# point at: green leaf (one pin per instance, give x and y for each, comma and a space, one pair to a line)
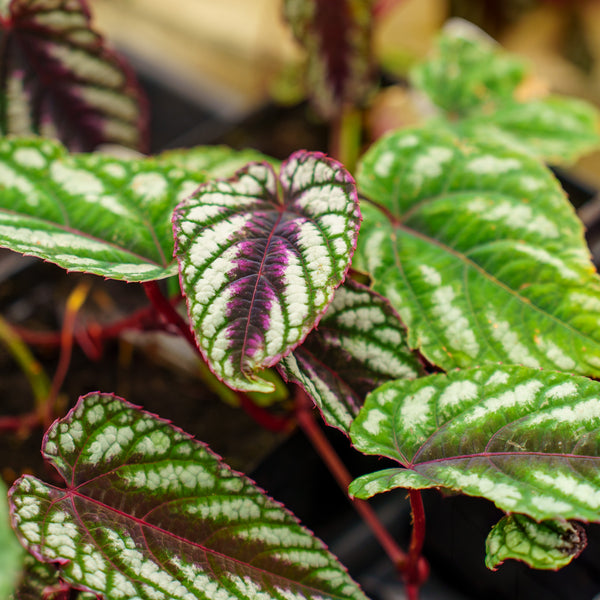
215, 161
260, 259
11, 553
479, 251
90, 212
554, 129
358, 345
37, 581
468, 71
547, 545
523, 438
149, 512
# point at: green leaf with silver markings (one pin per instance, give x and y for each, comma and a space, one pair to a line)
482, 90
478, 249
468, 71
100, 214
148, 512
358, 345
550, 544
526, 439
555, 129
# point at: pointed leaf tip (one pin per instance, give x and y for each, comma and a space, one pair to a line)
260, 257
148, 512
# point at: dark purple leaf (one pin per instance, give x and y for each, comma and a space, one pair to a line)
337, 37
59, 79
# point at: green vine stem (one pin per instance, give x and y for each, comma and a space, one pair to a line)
33, 370
306, 421
345, 137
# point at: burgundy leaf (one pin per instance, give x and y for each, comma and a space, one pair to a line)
337, 37
59, 79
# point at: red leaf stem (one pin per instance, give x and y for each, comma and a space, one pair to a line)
306, 420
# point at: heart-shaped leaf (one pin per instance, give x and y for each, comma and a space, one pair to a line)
523, 438
90, 212
259, 260
481, 254
337, 37
58, 78
148, 512
358, 345
546, 545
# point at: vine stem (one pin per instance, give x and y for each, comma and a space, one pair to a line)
263, 417
308, 424
345, 136
416, 569
167, 310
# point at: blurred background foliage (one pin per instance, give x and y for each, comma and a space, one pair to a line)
235, 56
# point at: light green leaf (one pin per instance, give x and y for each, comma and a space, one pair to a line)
468, 71
526, 439
554, 129
478, 249
11, 553
215, 161
90, 212
547, 545
475, 83
149, 512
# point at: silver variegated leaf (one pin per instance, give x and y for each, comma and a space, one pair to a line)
90, 212
550, 544
358, 345
149, 513
337, 37
478, 249
58, 78
526, 439
260, 258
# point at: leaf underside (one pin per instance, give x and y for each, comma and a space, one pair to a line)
523, 438
546, 545
337, 36
90, 212
59, 79
259, 270
481, 254
358, 345
150, 513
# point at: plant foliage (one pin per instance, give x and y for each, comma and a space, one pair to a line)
477, 248
58, 78
259, 266
149, 512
